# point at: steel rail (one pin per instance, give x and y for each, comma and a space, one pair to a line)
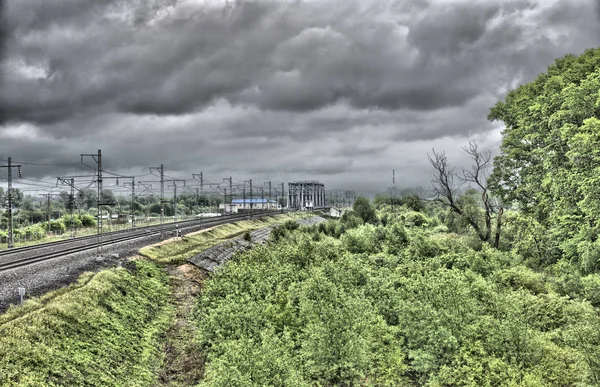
184, 223
43, 257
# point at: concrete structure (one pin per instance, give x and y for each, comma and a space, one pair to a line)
230, 208
335, 212
306, 195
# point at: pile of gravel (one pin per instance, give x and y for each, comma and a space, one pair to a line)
311, 221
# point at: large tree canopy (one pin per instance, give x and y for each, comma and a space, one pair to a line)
549, 163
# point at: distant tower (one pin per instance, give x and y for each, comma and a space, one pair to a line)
393, 177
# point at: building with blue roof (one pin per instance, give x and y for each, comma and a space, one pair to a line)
254, 203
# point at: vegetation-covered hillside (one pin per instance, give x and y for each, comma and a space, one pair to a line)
423, 295
106, 330
403, 302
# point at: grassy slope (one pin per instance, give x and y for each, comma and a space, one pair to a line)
108, 328
103, 331
191, 245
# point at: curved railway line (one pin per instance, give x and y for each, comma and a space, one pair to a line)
111, 238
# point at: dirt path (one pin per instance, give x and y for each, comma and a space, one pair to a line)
184, 361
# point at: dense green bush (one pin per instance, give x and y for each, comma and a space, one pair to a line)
395, 305
350, 220
364, 210
56, 226
75, 222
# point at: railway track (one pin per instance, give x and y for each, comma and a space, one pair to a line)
118, 237
166, 226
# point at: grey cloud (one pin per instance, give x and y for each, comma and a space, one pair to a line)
3, 36
290, 57
271, 89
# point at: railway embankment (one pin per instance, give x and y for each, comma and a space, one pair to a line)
68, 263
126, 325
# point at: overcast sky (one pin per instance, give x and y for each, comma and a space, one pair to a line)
339, 91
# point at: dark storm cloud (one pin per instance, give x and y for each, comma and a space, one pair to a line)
271, 87
4, 31
278, 56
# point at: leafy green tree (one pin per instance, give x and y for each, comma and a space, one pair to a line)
363, 209
549, 157
87, 198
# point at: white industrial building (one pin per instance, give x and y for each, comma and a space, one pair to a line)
247, 204
306, 195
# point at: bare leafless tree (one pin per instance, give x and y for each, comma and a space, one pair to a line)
446, 191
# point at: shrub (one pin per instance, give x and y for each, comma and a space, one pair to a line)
591, 289
66, 219
364, 210
55, 226
277, 233
88, 220
291, 225
350, 220
416, 219
361, 240
413, 202
521, 277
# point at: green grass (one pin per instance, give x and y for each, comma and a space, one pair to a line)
105, 330
181, 250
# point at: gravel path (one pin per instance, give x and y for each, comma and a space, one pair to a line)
219, 254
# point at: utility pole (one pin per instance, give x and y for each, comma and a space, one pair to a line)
263, 195
48, 196
282, 195
10, 166
244, 196
175, 201
251, 204
269, 206
147, 188
161, 170
132, 200
262, 198
71, 183
277, 192
175, 196
72, 206
230, 181
199, 177
98, 159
